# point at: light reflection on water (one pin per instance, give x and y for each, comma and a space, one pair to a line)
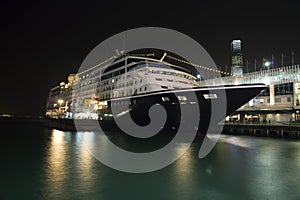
237, 141
238, 166
68, 160
57, 168
85, 165
52, 164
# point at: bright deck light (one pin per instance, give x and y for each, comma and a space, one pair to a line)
60, 101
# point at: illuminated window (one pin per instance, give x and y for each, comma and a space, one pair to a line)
182, 98
165, 98
210, 96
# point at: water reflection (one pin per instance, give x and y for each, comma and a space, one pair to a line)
237, 141
57, 168
84, 162
257, 168
39, 163
183, 165
271, 168
68, 164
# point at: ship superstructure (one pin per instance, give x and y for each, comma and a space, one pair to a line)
89, 91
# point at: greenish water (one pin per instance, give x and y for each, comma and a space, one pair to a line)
40, 163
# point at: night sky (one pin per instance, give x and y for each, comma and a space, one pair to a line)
42, 42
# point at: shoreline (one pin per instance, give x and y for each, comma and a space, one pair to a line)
255, 130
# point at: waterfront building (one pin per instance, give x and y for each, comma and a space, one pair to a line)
237, 58
277, 104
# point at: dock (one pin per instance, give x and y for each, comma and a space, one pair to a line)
277, 130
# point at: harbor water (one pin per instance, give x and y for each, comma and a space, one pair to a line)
43, 163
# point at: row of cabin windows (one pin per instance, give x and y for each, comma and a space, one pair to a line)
160, 79
108, 88
91, 75
122, 71
123, 93
114, 80
116, 74
171, 73
95, 80
121, 85
113, 74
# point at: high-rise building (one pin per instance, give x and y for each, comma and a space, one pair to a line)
237, 58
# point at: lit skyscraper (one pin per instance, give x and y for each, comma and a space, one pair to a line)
237, 58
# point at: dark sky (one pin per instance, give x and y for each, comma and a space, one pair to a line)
42, 42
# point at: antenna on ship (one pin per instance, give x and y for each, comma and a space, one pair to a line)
124, 38
162, 58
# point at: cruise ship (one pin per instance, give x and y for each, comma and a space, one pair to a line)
130, 85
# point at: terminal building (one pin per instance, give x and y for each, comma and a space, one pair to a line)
278, 104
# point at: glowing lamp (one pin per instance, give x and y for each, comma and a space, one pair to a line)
267, 64
60, 101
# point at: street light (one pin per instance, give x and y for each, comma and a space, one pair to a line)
267, 64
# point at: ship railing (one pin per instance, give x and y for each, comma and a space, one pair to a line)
280, 75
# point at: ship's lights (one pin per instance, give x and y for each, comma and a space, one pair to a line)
60, 101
